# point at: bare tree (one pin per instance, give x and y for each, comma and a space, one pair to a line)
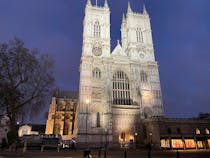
26, 78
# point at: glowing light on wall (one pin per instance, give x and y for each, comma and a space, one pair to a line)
127, 137
87, 101
209, 142
190, 143
165, 143
177, 143
200, 144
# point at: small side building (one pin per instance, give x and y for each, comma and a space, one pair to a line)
33, 129
180, 133
62, 118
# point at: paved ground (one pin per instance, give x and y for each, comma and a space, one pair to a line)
110, 154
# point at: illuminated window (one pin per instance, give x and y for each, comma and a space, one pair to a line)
97, 30
200, 144
143, 76
209, 142
98, 120
207, 131
139, 35
121, 89
177, 143
96, 73
198, 131
165, 143
122, 136
190, 143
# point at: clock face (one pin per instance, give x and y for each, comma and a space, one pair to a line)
97, 51
141, 55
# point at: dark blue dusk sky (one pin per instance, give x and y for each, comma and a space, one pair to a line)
181, 36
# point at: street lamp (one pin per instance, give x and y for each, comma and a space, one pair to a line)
106, 133
87, 101
149, 146
105, 147
135, 137
150, 134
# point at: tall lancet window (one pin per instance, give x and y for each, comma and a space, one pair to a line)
98, 120
143, 76
96, 73
139, 35
121, 89
97, 30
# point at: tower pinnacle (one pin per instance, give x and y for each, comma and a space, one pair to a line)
88, 2
123, 18
129, 8
144, 10
106, 4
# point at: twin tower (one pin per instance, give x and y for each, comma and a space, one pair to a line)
121, 88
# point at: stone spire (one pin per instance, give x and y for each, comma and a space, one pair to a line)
123, 18
106, 4
129, 8
88, 2
144, 10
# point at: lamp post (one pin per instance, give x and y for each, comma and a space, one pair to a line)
150, 134
105, 147
149, 146
135, 139
87, 101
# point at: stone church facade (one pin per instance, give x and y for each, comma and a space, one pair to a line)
121, 88
62, 115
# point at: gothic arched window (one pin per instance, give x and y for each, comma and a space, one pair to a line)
143, 76
97, 29
98, 120
66, 128
68, 107
121, 89
139, 35
96, 73
61, 106
57, 128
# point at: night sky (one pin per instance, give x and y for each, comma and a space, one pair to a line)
181, 36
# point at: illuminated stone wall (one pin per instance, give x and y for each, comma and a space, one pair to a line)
62, 117
118, 88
